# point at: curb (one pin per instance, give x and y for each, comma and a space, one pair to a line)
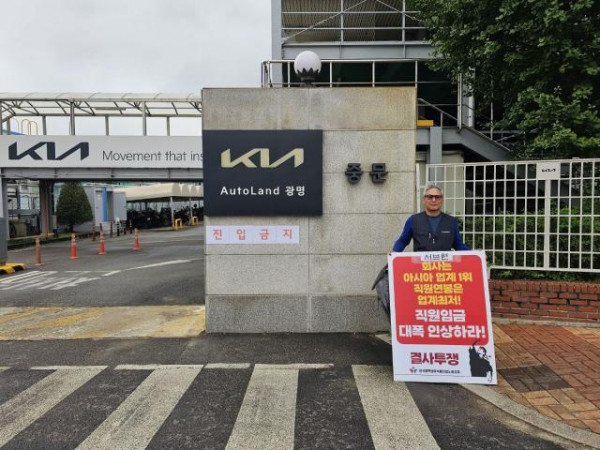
524, 413
535, 418
11, 268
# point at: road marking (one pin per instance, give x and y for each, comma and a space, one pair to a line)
300, 366
228, 366
77, 271
24, 409
152, 241
157, 366
31, 278
43, 280
267, 416
39, 280
74, 283
111, 273
382, 400
165, 263
20, 277
100, 368
133, 424
37, 323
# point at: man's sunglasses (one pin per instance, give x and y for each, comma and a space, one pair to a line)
434, 197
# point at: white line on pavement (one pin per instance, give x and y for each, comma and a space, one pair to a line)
133, 424
111, 273
24, 409
228, 366
267, 415
74, 283
165, 263
382, 400
157, 366
29, 283
67, 367
23, 276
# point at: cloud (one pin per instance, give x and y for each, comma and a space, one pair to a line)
133, 46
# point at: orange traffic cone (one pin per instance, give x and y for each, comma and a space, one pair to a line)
102, 252
73, 247
38, 252
136, 241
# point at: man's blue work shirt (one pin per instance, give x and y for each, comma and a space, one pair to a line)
407, 234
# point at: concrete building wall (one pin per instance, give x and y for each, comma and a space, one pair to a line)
323, 284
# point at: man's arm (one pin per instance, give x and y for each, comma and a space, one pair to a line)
458, 242
405, 237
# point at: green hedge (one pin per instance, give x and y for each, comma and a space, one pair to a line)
516, 243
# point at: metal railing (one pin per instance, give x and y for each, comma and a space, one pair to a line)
457, 114
531, 215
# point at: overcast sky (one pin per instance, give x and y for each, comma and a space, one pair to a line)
120, 46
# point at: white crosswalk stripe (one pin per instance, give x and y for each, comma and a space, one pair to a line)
266, 418
383, 399
24, 409
139, 417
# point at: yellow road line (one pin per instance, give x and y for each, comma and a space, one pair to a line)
183, 327
15, 314
49, 326
101, 322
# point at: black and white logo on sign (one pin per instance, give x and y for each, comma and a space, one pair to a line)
270, 172
46, 150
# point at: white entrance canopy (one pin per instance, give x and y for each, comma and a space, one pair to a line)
162, 190
29, 106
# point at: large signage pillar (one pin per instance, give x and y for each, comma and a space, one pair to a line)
305, 191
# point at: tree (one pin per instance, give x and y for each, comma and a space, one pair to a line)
538, 60
73, 206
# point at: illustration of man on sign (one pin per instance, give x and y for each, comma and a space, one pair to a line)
479, 362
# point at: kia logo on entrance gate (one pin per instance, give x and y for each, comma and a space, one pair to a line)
32, 152
260, 173
265, 160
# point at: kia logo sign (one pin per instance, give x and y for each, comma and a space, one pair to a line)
50, 154
263, 172
265, 159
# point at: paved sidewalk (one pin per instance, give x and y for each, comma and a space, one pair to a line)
554, 369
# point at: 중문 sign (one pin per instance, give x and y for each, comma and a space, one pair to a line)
441, 318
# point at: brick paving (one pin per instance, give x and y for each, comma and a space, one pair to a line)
554, 369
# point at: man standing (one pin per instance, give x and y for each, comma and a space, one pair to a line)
432, 230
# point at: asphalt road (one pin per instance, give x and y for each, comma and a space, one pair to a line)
167, 270
302, 391
238, 391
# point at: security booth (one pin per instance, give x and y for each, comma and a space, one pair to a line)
305, 190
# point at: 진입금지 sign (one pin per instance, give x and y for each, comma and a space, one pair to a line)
252, 234
441, 318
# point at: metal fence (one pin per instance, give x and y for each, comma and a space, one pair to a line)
531, 215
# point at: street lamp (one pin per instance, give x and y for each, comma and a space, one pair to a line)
307, 66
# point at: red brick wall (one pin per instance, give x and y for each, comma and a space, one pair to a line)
546, 300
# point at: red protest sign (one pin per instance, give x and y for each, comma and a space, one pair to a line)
440, 302
441, 318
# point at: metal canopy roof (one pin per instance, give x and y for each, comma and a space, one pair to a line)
313, 21
99, 104
162, 190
